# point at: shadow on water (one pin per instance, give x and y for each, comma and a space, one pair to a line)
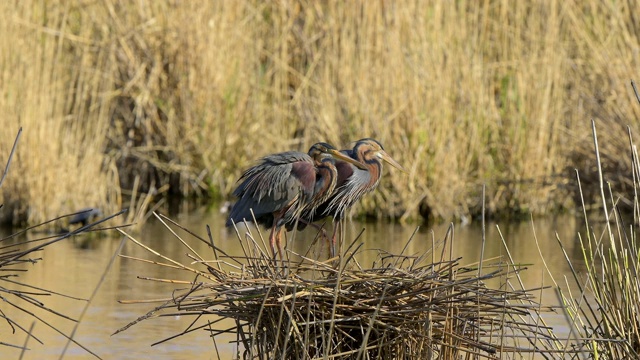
74, 267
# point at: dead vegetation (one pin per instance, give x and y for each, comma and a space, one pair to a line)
400, 306
121, 99
604, 310
25, 299
421, 305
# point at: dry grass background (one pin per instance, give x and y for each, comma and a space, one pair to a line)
179, 97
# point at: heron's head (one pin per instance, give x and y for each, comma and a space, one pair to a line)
372, 150
323, 151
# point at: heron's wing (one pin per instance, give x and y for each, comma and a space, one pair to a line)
275, 184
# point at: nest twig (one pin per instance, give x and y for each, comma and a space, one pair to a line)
402, 307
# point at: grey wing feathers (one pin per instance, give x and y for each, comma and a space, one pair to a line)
268, 186
270, 175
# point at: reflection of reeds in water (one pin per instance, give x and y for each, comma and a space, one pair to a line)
419, 306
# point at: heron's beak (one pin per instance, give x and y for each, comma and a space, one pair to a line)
340, 156
384, 156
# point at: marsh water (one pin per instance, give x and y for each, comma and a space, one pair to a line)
75, 266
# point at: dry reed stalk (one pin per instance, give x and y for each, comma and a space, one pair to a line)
158, 97
47, 90
604, 312
403, 306
13, 253
25, 298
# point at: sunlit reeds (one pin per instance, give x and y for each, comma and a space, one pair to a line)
416, 305
23, 303
604, 310
158, 97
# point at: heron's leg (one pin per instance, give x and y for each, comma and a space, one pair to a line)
272, 240
278, 244
332, 241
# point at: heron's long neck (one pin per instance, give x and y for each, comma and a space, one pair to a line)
325, 181
374, 167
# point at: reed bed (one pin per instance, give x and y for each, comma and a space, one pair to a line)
402, 306
605, 308
177, 97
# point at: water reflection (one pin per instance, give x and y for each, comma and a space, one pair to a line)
75, 266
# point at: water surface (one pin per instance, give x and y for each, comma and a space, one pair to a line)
74, 267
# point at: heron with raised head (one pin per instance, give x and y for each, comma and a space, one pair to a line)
352, 184
284, 185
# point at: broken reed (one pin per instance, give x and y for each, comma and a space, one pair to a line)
134, 96
402, 306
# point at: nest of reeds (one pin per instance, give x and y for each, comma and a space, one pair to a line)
400, 307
